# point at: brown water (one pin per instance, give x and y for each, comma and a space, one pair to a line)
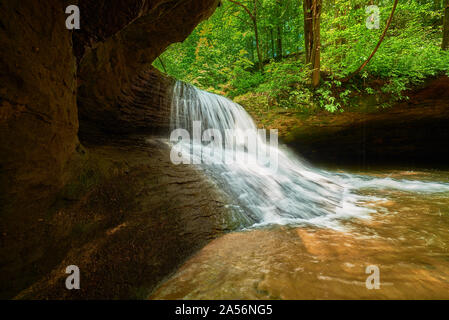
407, 239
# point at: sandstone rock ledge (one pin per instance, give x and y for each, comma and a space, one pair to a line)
114, 206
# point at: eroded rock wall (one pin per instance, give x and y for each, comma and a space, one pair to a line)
38, 113
41, 83
143, 107
109, 70
46, 73
412, 133
133, 228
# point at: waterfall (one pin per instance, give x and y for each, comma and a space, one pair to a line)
293, 192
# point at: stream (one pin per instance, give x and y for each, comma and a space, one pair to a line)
306, 232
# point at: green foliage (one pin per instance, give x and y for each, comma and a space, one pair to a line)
327, 99
221, 54
243, 78
409, 54
286, 84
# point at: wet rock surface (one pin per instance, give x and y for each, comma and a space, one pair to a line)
406, 239
142, 108
129, 220
98, 79
411, 133
108, 71
38, 113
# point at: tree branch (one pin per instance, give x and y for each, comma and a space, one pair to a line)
162, 63
349, 77
244, 7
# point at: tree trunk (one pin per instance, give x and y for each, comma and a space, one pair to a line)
267, 44
251, 49
259, 56
253, 16
445, 44
307, 29
279, 43
312, 14
279, 52
272, 43
162, 64
256, 33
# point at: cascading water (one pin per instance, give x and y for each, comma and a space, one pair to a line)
293, 192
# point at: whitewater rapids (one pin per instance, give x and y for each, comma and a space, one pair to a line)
290, 192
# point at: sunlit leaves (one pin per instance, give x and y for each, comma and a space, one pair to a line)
220, 54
